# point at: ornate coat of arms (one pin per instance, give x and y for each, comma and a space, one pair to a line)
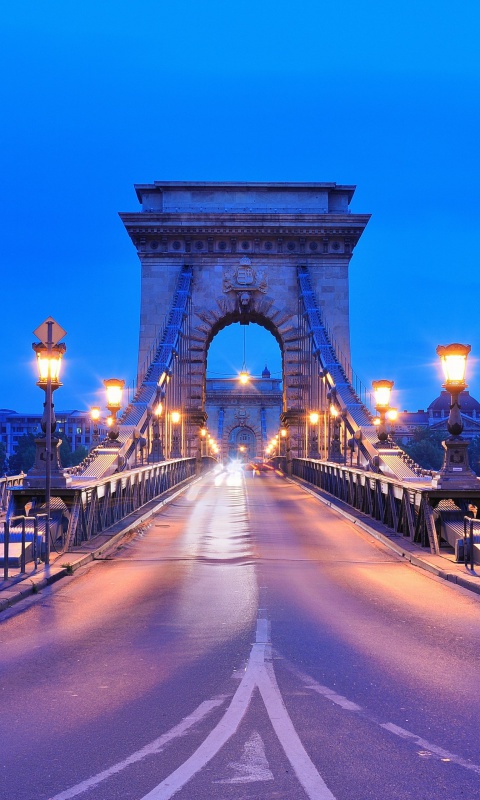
244, 278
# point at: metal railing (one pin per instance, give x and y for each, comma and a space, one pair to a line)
29, 533
5, 483
405, 509
99, 506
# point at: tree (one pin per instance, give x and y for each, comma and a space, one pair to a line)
474, 454
3, 458
24, 457
426, 448
78, 455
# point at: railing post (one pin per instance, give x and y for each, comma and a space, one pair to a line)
22, 557
6, 544
472, 560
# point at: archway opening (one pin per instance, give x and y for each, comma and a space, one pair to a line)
243, 415
234, 342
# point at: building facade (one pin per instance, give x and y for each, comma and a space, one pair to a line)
76, 425
243, 418
436, 416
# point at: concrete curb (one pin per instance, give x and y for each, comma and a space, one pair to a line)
32, 584
466, 582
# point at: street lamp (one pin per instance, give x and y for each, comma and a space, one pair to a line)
456, 471
313, 438
244, 375
47, 457
95, 416
283, 441
382, 390
175, 418
157, 443
335, 450
114, 389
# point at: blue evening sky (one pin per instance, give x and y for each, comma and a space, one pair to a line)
97, 96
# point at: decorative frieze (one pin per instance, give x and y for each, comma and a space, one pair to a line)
203, 242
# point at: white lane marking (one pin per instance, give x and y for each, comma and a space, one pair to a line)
153, 748
216, 739
253, 765
305, 770
338, 699
348, 705
258, 674
330, 694
433, 748
261, 636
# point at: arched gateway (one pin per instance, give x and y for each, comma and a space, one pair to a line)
217, 253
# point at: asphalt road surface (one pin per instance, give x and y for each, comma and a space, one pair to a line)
248, 643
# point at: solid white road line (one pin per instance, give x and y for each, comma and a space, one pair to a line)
214, 741
154, 747
305, 770
258, 673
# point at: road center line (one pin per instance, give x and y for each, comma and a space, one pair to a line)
153, 748
258, 674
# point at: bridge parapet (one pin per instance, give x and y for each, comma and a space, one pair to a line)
92, 506
416, 511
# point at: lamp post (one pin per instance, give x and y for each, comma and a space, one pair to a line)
95, 416
382, 390
49, 354
313, 419
456, 471
283, 441
334, 450
114, 389
175, 418
157, 443
203, 435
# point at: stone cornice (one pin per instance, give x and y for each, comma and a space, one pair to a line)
275, 223
257, 399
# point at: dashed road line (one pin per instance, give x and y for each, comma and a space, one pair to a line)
348, 705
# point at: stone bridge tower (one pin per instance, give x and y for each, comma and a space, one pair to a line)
244, 243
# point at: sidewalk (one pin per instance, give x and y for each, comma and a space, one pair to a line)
63, 564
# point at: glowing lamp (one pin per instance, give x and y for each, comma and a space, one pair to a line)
314, 417
109, 421
392, 414
158, 410
244, 377
376, 420
333, 411
175, 417
114, 389
382, 390
283, 433
95, 413
203, 432
48, 363
454, 363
